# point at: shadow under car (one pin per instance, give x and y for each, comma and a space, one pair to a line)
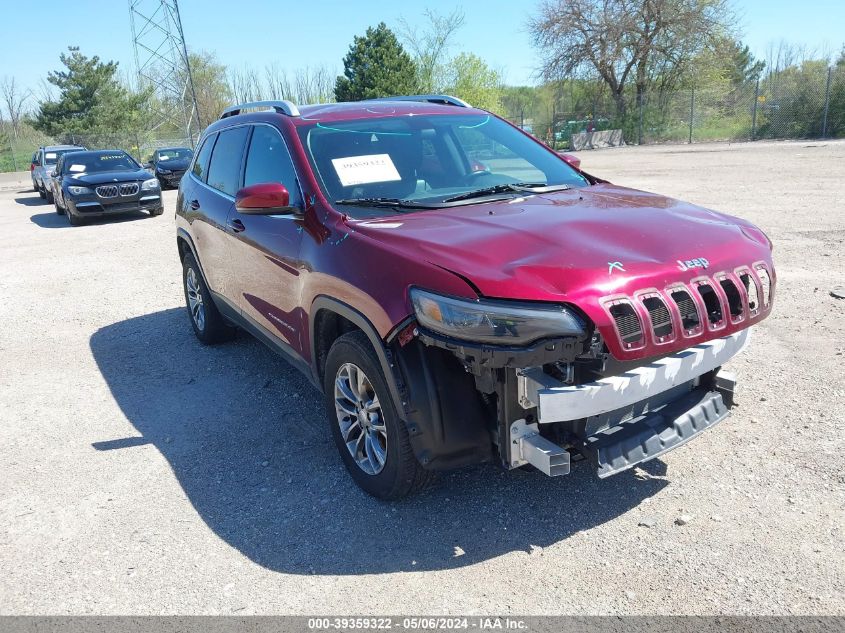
247, 438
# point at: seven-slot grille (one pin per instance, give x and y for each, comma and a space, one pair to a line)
627, 323
112, 191
705, 303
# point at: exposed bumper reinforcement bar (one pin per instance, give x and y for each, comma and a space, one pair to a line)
559, 402
623, 446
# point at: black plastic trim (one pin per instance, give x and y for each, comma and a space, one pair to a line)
323, 302
482, 356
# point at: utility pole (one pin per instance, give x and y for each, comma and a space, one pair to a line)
754, 111
826, 101
163, 66
691, 111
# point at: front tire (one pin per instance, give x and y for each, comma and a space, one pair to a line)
209, 325
50, 197
74, 219
371, 438
42, 193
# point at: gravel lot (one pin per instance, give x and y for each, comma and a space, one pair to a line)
143, 473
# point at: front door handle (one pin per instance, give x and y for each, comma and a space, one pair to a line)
195, 204
236, 225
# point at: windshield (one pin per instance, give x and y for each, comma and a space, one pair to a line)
430, 160
182, 153
94, 162
51, 157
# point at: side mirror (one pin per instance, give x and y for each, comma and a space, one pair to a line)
148, 164
572, 160
266, 198
53, 174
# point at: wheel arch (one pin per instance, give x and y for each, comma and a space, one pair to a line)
446, 427
329, 319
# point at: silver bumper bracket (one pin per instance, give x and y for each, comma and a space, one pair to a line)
529, 447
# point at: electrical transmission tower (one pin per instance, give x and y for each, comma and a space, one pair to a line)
161, 59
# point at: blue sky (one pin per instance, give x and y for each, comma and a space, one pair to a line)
298, 34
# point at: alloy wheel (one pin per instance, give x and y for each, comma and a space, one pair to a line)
195, 302
360, 418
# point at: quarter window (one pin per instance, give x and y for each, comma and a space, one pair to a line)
224, 171
268, 161
200, 169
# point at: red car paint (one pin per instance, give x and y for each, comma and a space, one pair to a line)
558, 247
571, 159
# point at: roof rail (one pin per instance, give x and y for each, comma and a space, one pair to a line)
282, 107
441, 99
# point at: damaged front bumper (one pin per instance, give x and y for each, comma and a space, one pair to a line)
623, 420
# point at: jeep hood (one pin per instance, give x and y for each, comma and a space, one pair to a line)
577, 246
548, 246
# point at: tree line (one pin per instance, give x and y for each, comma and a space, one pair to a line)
598, 63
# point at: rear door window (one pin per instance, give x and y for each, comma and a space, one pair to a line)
200, 169
224, 171
268, 161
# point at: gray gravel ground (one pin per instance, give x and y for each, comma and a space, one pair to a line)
143, 473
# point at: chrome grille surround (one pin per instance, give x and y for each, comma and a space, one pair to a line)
113, 191
706, 303
107, 191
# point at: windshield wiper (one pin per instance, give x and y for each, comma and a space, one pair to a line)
516, 187
386, 202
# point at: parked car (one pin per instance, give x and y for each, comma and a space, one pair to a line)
43, 164
32, 164
98, 183
168, 164
528, 313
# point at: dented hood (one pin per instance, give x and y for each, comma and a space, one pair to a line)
595, 241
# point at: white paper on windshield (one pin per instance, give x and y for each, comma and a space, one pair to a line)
164, 157
362, 170
50, 155
76, 169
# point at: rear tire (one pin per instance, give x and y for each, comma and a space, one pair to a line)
369, 434
209, 325
155, 212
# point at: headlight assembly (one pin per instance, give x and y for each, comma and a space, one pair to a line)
78, 191
147, 185
498, 322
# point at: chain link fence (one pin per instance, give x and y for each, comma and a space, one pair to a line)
797, 103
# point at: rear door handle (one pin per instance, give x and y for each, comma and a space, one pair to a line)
195, 204
236, 225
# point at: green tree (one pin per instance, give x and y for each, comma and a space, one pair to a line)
646, 44
375, 66
430, 44
91, 100
211, 87
471, 79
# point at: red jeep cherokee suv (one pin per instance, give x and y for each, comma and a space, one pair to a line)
459, 292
